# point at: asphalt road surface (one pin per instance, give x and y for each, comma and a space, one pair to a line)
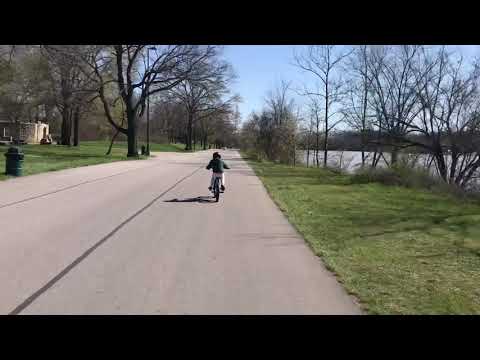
145, 237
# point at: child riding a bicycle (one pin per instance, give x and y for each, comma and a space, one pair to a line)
218, 166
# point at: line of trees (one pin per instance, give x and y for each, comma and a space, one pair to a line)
102, 90
272, 133
388, 100
169, 123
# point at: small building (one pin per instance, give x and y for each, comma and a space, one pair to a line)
26, 132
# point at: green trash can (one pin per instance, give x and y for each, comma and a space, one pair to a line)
14, 159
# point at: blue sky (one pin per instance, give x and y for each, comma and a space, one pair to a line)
261, 67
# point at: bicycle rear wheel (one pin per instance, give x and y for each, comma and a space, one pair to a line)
217, 190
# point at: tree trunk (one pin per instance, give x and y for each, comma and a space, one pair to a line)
439, 159
364, 113
442, 168
205, 141
308, 149
188, 144
294, 154
76, 122
454, 156
325, 150
363, 157
111, 142
194, 139
378, 150
131, 132
374, 160
394, 156
325, 142
66, 135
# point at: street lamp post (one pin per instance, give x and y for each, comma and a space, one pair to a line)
147, 151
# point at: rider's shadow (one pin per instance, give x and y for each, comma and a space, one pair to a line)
198, 199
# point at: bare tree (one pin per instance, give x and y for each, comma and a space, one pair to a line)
274, 120
322, 61
222, 130
212, 125
273, 132
203, 93
307, 135
6, 53
23, 83
279, 103
73, 86
448, 121
356, 109
236, 118
168, 120
395, 76
429, 100
316, 121
126, 67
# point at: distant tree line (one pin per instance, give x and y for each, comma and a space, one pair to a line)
101, 91
382, 101
272, 133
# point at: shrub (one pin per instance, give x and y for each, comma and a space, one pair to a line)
335, 170
399, 175
254, 155
411, 178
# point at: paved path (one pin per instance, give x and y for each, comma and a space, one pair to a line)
142, 237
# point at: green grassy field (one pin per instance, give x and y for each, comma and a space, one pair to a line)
153, 147
399, 250
43, 158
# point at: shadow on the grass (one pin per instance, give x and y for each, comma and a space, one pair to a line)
198, 199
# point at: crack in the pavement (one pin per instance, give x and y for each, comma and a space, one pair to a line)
72, 186
82, 257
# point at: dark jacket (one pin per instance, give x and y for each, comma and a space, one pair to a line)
218, 165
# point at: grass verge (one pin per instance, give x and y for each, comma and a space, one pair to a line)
43, 158
399, 250
153, 147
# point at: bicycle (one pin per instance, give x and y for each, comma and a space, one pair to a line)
216, 189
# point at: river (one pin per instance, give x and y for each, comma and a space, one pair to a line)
349, 161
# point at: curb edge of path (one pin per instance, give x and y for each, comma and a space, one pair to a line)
352, 296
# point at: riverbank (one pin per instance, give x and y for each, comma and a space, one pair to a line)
399, 250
